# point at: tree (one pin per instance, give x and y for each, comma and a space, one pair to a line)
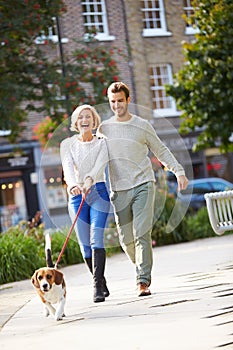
89, 70
30, 81
24, 70
203, 88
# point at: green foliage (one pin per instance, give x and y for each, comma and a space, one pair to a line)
72, 254
94, 66
22, 251
203, 88
24, 70
198, 225
111, 238
89, 72
19, 256
159, 234
30, 81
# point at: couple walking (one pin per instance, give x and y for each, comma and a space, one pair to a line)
122, 143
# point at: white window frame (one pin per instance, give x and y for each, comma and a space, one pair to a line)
147, 32
101, 36
5, 133
58, 97
52, 35
164, 77
188, 10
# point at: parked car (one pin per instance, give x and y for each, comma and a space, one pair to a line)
194, 193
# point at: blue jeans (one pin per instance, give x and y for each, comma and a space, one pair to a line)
92, 218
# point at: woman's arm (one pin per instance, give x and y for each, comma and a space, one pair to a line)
68, 166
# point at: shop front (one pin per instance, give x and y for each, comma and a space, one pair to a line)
53, 189
200, 164
194, 163
18, 184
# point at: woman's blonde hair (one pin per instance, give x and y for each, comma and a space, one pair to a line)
76, 113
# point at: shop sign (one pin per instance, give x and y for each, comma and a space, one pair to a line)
18, 161
179, 143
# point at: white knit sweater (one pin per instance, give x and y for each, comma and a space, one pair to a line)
83, 159
128, 145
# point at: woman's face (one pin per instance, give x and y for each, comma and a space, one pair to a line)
85, 121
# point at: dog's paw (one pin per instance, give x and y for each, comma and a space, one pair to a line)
46, 312
58, 318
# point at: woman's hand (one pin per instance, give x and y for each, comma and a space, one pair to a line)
76, 190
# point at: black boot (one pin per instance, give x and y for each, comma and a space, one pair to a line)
99, 257
105, 288
88, 262
106, 292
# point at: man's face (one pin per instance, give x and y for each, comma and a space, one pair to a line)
118, 103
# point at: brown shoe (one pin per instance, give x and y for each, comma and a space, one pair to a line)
143, 290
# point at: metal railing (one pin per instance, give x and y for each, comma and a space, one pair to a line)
220, 211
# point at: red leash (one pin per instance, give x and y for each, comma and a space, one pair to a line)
70, 231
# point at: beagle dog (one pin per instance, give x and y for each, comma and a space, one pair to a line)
50, 285
51, 288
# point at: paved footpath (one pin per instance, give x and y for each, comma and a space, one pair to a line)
191, 306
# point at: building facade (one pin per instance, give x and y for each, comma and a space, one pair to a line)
149, 34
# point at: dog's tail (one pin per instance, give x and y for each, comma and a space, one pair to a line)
48, 252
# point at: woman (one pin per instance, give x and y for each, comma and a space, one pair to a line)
84, 158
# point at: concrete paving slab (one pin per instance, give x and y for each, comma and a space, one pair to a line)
191, 306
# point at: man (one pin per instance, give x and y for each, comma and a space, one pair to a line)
129, 138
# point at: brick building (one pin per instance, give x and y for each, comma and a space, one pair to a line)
150, 36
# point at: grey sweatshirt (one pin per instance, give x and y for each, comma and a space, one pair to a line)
128, 146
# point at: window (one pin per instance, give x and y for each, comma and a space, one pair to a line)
95, 19
4, 132
153, 18
55, 192
59, 100
12, 201
160, 75
56, 91
50, 35
189, 11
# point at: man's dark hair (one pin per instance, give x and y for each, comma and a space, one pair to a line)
117, 87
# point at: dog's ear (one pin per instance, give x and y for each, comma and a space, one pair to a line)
58, 277
34, 280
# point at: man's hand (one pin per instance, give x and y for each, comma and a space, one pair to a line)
182, 182
87, 185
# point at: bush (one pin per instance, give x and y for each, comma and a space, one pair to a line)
164, 205
23, 251
72, 254
194, 225
198, 225
111, 238
19, 256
